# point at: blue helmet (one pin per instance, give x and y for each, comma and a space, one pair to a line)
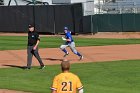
65, 28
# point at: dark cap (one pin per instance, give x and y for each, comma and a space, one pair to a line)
31, 25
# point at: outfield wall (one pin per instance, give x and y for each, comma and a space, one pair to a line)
50, 18
111, 23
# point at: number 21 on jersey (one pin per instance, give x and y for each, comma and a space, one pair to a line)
67, 86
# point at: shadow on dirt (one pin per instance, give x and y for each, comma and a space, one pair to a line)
15, 66
52, 59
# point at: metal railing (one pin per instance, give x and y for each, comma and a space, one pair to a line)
118, 7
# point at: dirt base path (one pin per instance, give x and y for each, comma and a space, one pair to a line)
51, 56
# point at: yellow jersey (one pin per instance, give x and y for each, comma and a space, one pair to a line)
66, 83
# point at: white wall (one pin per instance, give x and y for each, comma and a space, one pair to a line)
78, 1
67, 1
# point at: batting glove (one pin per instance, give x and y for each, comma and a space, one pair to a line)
63, 38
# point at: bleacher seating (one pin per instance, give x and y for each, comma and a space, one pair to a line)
122, 6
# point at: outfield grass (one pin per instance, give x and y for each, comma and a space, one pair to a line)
105, 77
20, 42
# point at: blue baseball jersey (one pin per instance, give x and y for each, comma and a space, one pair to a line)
69, 36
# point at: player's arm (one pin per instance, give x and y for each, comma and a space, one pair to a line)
53, 91
54, 86
79, 86
67, 39
81, 90
37, 43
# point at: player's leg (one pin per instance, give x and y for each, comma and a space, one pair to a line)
36, 54
29, 57
63, 48
73, 49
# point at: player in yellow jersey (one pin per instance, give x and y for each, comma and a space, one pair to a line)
66, 82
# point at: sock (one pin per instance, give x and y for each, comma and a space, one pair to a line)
64, 50
79, 54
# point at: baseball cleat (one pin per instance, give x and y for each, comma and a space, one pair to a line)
27, 68
81, 57
42, 67
66, 54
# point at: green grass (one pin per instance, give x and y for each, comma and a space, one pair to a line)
20, 42
105, 77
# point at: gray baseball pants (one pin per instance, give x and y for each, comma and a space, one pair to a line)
30, 53
72, 47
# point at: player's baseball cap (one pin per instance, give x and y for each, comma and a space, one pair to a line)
31, 25
65, 28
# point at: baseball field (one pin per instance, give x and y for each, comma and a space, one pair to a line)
110, 65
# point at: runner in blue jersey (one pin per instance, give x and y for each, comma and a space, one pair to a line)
69, 43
